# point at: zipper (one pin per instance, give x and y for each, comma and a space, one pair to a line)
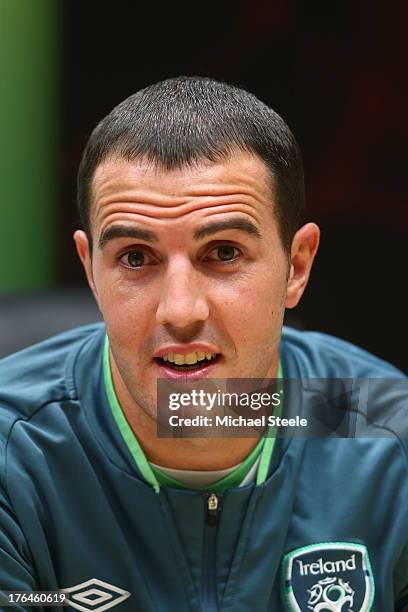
209, 600
212, 510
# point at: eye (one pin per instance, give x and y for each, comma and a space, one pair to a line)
135, 259
224, 253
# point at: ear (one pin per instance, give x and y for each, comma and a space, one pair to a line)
304, 247
83, 250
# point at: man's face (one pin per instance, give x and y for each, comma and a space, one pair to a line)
186, 264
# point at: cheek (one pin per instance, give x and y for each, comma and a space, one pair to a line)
251, 311
127, 313
261, 291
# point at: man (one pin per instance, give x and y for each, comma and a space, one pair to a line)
191, 199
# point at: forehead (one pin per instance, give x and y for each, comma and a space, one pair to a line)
242, 180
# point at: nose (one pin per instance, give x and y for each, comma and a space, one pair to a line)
182, 299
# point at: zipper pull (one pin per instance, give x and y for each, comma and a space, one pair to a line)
212, 509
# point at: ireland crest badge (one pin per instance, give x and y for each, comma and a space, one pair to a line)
328, 577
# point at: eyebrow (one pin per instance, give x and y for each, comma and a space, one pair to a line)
236, 223
123, 231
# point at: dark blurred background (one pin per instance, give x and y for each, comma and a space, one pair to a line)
336, 71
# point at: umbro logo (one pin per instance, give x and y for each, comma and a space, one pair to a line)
95, 595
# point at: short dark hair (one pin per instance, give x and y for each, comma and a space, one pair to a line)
183, 120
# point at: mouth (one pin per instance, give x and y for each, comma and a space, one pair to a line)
195, 362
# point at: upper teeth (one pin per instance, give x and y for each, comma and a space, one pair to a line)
188, 359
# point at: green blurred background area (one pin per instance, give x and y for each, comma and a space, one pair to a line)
30, 61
